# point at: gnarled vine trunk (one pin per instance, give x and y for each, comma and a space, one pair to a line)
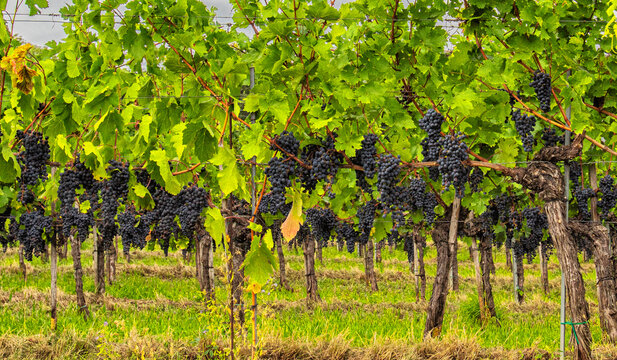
605, 277
308, 245
369, 266
99, 262
378, 248
419, 243
78, 273
544, 267
437, 304
545, 179
520, 279
204, 263
281, 255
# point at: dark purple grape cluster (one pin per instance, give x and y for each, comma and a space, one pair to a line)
288, 142
322, 165
322, 222
608, 200
25, 195
431, 145
33, 226
450, 163
525, 125
475, 179
428, 206
113, 191
347, 233
536, 223
163, 217
387, 179
366, 218
550, 137
279, 174
502, 206
191, 200
409, 247
406, 97
582, 200
367, 154
132, 231
33, 160
72, 179
541, 83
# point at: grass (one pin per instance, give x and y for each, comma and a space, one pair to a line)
154, 310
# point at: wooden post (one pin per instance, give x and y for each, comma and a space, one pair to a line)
452, 241
478, 272
369, 267
78, 274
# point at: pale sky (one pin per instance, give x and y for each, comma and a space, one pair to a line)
40, 29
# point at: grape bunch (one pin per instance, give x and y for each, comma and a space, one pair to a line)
191, 201
322, 222
367, 153
279, 174
582, 200
475, 179
33, 160
608, 200
347, 233
387, 178
163, 217
525, 125
409, 248
431, 146
541, 83
550, 137
114, 189
35, 225
366, 218
428, 206
132, 231
25, 195
322, 165
72, 179
450, 163
536, 223
288, 142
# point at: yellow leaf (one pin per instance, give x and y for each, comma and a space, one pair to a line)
291, 225
254, 288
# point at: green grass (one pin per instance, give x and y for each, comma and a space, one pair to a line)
143, 304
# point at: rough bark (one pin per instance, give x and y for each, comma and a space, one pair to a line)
281, 255
605, 277
62, 250
544, 267
486, 253
22, 262
110, 263
78, 274
508, 258
203, 263
437, 304
520, 279
369, 266
478, 271
545, 179
98, 256
483, 256
308, 245
54, 282
378, 248
452, 242
360, 250
420, 273
237, 281
491, 262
